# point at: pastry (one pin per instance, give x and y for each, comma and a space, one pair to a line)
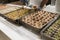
54, 30
40, 19
17, 14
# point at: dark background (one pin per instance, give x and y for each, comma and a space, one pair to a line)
8, 1
49, 2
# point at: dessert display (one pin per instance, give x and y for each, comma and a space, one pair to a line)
39, 22
17, 14
54, 30
38, 19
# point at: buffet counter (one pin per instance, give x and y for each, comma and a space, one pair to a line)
15, 32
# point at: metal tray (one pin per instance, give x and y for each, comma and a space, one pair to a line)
10, 20
44, 36
33, 29
9, 9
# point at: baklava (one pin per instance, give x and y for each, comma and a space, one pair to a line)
54, 30
38, 19
17, 14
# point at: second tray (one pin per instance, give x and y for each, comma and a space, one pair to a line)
38, 20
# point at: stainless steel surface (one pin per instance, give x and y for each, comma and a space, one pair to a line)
3, 36
21, 30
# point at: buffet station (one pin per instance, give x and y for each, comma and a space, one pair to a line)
22, 22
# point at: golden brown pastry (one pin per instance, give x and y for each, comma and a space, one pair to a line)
17, 14
38, 19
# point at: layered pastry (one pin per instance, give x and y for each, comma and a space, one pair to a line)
54, 30
17, 14
38, 19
